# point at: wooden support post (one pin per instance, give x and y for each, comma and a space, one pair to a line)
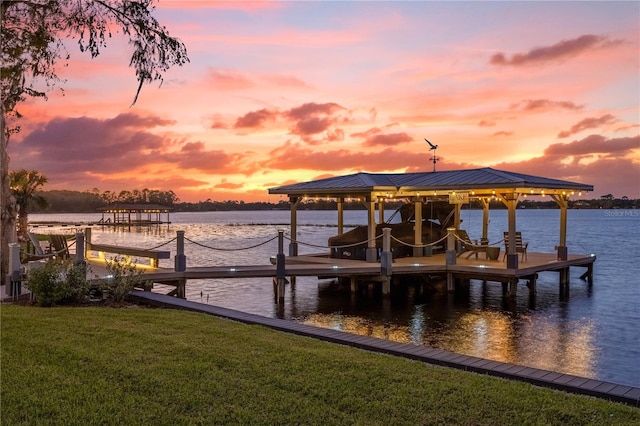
512, 288
181, 289
80, 250
563, 202
511, 201
451, 253
386, 262
564, 281
380, 210
451, 282
485, 221
417, 230
280, 269
532, 285
372, 251
293, 245
340, 203
386, 286
354, 284
180, 259
588, 274
87, 242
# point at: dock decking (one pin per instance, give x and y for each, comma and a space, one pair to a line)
323, 266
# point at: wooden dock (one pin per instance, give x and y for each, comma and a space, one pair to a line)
357, 271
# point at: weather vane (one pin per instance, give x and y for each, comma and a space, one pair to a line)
433, 148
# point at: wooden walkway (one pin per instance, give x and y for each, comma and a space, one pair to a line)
323, 266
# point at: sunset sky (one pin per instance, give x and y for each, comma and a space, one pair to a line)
277, 93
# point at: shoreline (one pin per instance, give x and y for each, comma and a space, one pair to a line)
629, 395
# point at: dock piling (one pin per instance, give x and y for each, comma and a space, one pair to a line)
280, 279
180, 259
80, 248
386, 261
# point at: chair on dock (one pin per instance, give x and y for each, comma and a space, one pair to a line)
521, 247
59, 246
33, 250
473, 247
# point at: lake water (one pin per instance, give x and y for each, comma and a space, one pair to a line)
594, 332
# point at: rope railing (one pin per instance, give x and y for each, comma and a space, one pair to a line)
306, 244
469, 243
51, 253
230, 249
431, 244
162, 244
356, 244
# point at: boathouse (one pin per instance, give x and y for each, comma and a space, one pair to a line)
121, 214
457, 187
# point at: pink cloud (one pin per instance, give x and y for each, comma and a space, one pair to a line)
611, 173
486, 123
313, 109
228, 80
255, 119
595, 144
561, 50
537, 105
588, 123
392, 139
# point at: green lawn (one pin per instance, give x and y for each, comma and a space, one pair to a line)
139, 365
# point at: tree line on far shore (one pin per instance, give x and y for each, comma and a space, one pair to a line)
61, 201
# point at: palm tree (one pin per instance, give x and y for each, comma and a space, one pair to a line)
24, 187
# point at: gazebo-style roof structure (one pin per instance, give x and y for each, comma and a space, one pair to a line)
134, 214
458, 186
482, 181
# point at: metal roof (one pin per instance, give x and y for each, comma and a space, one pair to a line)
400, 184
134, 207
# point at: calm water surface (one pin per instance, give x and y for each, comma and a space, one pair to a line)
593, 332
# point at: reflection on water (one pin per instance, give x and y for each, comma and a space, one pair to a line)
454, 323
592, 332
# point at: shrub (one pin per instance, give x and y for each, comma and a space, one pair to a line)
58, 281
122, 278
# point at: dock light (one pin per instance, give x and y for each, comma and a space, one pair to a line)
482, 266
232, 269
592, 255
335, 267
416, 264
